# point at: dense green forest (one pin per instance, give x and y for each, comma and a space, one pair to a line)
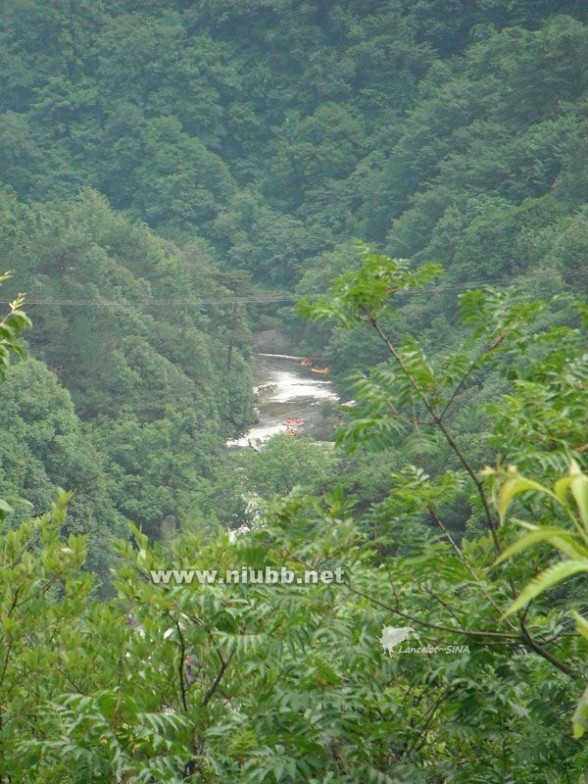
174, 176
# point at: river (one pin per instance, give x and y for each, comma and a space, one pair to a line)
284, 390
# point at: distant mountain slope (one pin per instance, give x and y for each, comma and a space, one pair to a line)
279, 129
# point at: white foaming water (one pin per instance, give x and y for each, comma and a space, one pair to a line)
263, 432
284, 394
290, 386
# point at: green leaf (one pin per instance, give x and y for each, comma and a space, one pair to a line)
581, 624
561, 488
579, 488
547, 579
514, 487
18, 320
580, 717
564, 541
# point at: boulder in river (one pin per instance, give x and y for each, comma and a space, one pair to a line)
264, 389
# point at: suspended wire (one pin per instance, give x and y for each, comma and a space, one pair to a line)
159, 301
427, 290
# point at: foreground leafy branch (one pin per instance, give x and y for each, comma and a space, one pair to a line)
11, 326
497, 324
572, 544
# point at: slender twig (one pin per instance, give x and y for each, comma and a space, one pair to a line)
6, 660
467, 565
540, 651
223, 668
437, 418
473, 366
427, 624
78, 689
429, 716
459, 386
438, 599
181, 665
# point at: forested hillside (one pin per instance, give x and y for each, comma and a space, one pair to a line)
278, 130
139, 384
174, 176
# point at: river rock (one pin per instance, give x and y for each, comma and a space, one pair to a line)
264, 389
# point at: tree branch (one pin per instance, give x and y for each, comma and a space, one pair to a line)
223, 668
437, 418
181, 665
